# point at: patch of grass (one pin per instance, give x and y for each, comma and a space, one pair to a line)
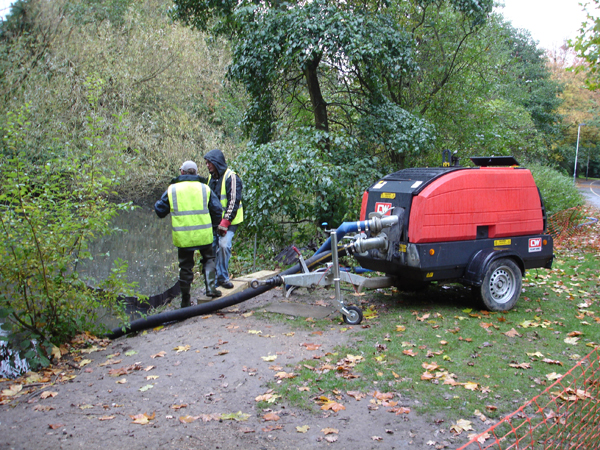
450, 358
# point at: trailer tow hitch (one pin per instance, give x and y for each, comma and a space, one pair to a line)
332, 275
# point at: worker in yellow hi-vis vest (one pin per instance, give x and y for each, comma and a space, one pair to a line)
196, 213
228, 187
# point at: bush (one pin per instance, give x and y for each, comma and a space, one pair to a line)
293, 185
48, 214
557, 190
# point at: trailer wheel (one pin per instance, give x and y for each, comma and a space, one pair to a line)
501, 286
355, 317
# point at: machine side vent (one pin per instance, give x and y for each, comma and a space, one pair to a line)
482, 232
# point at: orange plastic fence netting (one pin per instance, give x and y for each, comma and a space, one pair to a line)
565, 416
573, 223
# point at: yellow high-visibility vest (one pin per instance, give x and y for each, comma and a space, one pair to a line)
239, 217
190, 217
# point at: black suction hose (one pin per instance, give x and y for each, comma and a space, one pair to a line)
215, 305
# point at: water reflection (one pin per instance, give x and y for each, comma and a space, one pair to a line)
147, 246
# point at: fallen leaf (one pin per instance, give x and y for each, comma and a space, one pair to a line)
121, 381
512, 333
269, 398
571, 340
377, 438
151, 377
399, 410
182, 348
54, 426
521, 366
142, 419
334, 406
188, 419
56, 353
90, 350
331, 438
43, 408
284, 375
110, 362
158, 355
460, 426
145, 388
271, 416
131, 353
330, 431
106, 418
238, 416
356, 395
311, 346
552, 361
302, 429
430, 367
383, 395
269, 358
13, 390
183, 405
47, 394
479, 415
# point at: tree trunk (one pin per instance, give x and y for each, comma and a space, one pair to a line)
316, 98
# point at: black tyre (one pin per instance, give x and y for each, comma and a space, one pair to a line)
501, 286
355, 317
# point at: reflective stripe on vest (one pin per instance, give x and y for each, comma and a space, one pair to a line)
239, 217
192, 227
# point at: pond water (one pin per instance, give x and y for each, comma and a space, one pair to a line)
146, 245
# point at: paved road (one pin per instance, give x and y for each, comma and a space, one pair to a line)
591, 191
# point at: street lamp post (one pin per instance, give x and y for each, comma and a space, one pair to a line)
577, 151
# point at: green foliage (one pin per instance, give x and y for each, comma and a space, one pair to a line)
96, 11
587, 45
399, 133
162, 81
49, 213
506, 128
557, 189
298, 184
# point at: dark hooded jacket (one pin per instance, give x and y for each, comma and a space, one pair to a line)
233, 185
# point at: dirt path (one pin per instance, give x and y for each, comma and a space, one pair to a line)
222, 372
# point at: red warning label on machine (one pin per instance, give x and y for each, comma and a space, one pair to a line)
535, 244
383, 208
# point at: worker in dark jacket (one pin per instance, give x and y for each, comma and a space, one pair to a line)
195, 212
228, 187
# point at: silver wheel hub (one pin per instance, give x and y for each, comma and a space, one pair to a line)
502, 285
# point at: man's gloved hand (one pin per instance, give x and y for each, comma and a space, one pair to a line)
223, 226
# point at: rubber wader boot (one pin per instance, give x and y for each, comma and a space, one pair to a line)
210, 280
185, 294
